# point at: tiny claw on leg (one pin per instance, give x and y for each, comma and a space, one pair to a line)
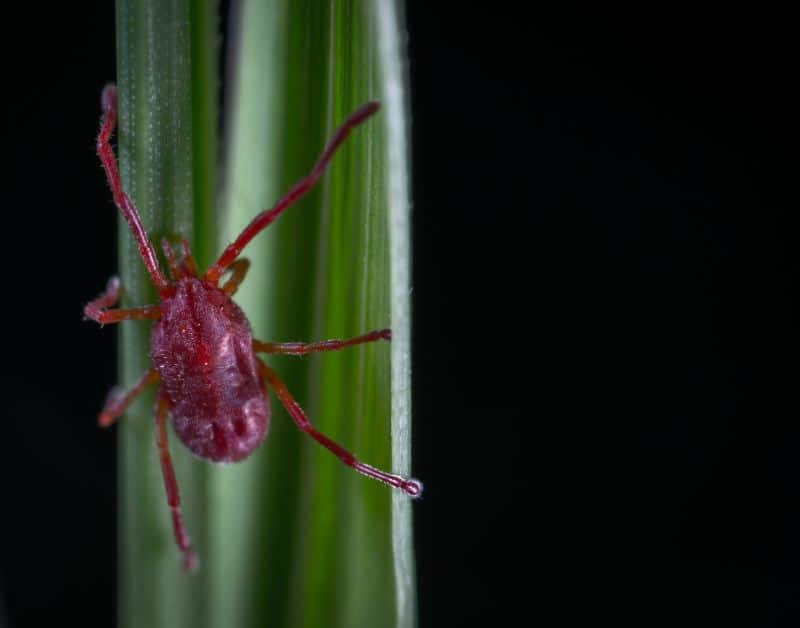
112, 289
412, 488
114, 400
119, 399
110, 296
108, 99
190, 562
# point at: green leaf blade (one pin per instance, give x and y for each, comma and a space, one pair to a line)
343, 563
160, 135
289, 537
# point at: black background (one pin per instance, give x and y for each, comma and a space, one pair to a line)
605, 347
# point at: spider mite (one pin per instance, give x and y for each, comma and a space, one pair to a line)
209, 379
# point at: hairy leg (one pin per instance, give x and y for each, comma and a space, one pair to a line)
97, 309
118, 399
301, 348
265, 218
409, 486
121, 199
189, 561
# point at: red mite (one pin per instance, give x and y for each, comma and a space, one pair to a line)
209, 379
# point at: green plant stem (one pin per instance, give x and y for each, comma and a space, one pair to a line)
166, 67
289, 537
389, 23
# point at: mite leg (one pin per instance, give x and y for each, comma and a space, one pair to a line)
122, 200
409, 486
174, 269
300, 348
118, 400
189, 265
263, 220
189, 561
238, 270
97, 309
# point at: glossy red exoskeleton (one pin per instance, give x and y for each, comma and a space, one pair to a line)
210, 381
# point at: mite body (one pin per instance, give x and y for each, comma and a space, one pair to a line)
210, 380
202, 350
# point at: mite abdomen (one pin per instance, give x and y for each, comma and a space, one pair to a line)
233, 435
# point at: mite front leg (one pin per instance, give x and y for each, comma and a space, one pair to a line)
118, 400
265, 218
409, 486
189, 264
189, 561
174, 269
301, 348
97, 309
121, 199
238, 270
